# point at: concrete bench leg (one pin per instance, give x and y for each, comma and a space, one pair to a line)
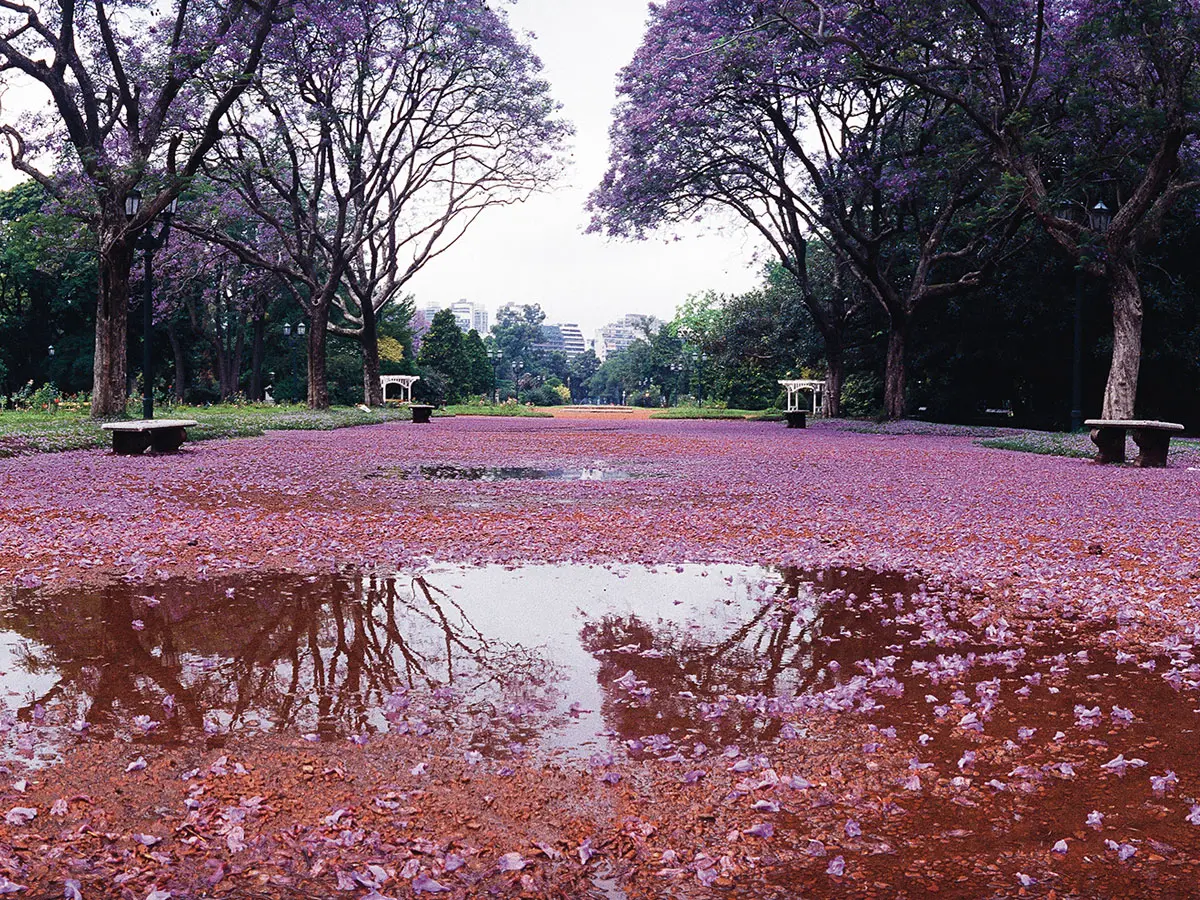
795, 419
167, 440
1110, 444
1153, 444
130, 443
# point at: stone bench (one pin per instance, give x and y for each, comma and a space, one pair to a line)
421, 413
795, 418
161, 435
1152, 438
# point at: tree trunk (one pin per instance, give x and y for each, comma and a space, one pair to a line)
369, 341
318, 387
895, 374
1120, 393
222, 366
834, 379
112, 317
257, 392
235, 368
179, 383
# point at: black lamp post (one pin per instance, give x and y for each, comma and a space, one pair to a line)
697, 356
291, 338
147, 241
495, 354
1099, 218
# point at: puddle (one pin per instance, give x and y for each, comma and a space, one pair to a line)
672, 663
501, 473
509, 658
1018, 738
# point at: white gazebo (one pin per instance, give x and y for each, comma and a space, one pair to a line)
795, 386
405, 381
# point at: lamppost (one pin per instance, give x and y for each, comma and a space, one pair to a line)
1099, 218
495, 355
147, 241
697, 357
676, 368
517, 366
287, 333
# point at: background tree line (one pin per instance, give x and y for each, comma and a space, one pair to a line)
930, 149
1007, 345
324, 152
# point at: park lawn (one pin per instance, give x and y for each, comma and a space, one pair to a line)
23, 432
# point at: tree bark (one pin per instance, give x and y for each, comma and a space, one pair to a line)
257, 393
179, 382
1120, 393
895, 374
369, 341
235, 369
112, 319
836, 359
318, 388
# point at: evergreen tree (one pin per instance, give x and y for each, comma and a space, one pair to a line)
442, 351
479, 367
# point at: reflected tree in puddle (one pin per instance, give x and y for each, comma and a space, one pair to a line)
331, 655
663, 678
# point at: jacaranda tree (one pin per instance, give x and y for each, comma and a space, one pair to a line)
1079, 101
123, 95
372, 139
726, 106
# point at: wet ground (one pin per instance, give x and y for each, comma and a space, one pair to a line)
831, 730
501, 473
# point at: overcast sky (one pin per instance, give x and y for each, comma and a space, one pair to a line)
537, 252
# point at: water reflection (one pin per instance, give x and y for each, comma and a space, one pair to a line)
328, 656
801, 636
501, 473
564, 656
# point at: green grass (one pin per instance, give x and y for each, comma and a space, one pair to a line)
1045, 443
705, 412
23, 432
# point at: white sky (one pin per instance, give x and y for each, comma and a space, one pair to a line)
536, 252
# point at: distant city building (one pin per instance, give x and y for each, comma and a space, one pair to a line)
467, 315
573, 342
470, 315
552, 340
565, 338
615, 337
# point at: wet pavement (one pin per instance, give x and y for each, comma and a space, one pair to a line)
1035, 741
444, 472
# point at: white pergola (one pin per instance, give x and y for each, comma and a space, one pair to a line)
794, 388
405, 381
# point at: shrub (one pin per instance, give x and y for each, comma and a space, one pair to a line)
42, 399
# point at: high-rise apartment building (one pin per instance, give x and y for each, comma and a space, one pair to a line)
565, 338
467, 315
615, 337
